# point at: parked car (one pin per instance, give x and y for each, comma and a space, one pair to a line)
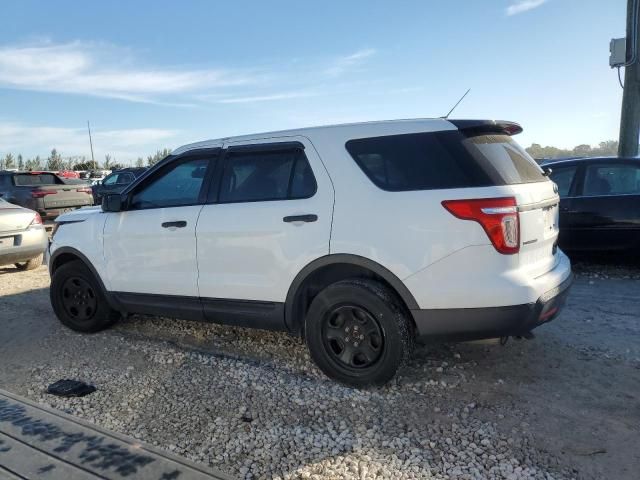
360, 238
44, 192
600, 203
68, 174
115, 182
23, 238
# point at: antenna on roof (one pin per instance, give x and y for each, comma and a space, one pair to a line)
457, 103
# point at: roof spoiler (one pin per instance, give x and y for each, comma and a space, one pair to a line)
476, 127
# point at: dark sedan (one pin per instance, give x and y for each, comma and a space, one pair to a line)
599, 203
115, 182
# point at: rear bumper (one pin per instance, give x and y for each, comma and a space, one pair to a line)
476, 323
26, 245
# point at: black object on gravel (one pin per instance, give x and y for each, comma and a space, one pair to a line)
70, 388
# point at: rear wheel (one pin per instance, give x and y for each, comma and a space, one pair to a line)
358, 333
31, 264
77, 299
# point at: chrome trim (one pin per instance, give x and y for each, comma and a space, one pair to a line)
535, 206
498, 210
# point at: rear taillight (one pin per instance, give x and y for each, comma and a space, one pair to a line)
498, 217
42, 193
84, 190
37, 220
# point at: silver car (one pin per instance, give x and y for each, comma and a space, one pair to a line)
23, 238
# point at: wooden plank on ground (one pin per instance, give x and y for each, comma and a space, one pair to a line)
38, 442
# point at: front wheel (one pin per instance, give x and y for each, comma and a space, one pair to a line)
358, 333
77, 299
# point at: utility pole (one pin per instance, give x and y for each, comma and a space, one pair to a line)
93, 160
630, 114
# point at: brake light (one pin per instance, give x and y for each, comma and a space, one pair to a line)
42, 193
498, 216
37, 220
84, 190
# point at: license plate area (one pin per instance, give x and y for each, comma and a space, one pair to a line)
6, 242
551, 216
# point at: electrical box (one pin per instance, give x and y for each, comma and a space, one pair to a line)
617, 52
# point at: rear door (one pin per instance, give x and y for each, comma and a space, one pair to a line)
150, 248
567, 178
605, 212
270, 216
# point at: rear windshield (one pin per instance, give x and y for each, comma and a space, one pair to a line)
446, 159
30, 179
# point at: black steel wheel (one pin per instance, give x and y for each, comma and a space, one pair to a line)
352, 337
78, 300
357, 332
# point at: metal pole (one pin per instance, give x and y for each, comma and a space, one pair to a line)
93, 160
630, 113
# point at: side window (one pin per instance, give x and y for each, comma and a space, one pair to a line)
563, 177
611, 179
111, 179
178, 184
262, 176
125, 178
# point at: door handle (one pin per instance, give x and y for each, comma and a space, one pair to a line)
300, 218
176, 224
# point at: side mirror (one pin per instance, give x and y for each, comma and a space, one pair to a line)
112, 202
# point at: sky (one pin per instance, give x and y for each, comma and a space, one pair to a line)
155, 74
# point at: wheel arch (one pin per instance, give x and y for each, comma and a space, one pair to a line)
329, 269
65, 255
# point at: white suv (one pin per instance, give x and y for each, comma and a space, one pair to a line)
358, 237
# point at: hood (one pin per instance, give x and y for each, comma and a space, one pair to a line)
79, 215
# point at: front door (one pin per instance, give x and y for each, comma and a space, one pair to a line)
150, 248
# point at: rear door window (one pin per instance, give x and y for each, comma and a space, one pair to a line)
611, 179
269, 175
441, 160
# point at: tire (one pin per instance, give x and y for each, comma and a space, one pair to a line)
358, 333
78, 300
31, 264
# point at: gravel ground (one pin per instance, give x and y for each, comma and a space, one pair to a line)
565, 405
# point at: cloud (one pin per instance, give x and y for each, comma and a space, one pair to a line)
105, 71
343, 64
123, 144
521, 6
264, 98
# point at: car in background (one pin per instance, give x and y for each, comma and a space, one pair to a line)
68, 174
600, 203
115, 182
44, 192
23, 238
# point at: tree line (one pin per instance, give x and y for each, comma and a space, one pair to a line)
56, 162
603, 149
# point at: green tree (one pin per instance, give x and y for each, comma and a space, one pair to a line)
54, 162
20, 162
107, 162
9, 161
140, 162
159, 155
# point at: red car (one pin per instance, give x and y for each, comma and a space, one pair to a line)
68, 174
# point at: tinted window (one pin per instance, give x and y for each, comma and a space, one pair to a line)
621, 179
176, 185
448, 159
563, 177
36, 179
125, 178
111, 179
273, 175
